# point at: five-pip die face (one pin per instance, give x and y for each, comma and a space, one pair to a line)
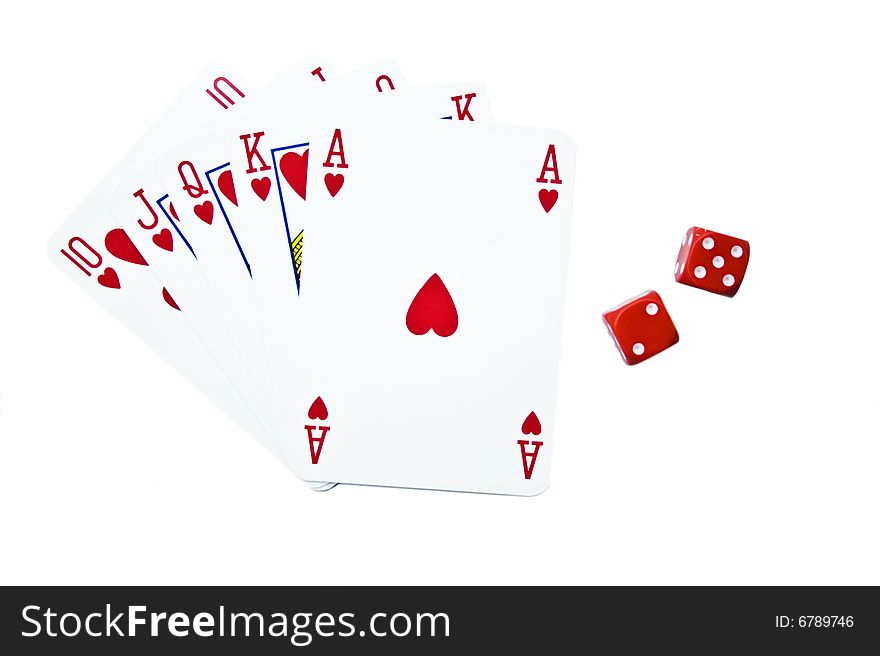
712, 261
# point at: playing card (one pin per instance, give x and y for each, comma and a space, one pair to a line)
436, 266
270, 229
97, 254
178, 242
203, 226
204, 219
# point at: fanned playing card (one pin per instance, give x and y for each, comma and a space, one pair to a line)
183, 244
95, 252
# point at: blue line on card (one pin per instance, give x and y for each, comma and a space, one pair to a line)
174, 225
284, 207
226, 217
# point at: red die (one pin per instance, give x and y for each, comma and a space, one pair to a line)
712, 261
641, 327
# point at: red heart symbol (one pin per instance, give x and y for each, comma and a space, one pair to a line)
531, 426
109, 278
169, 300
432, 308
333, 182
227, 187
205, 211
318, 410
163, 239
261, 187
173, 212
548, 198
120, 245
294, 167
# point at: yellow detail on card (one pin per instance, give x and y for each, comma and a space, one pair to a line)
296, 247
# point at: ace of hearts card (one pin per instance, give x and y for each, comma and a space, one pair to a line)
436, 262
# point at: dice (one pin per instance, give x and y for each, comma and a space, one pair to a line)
641, 327
712, 261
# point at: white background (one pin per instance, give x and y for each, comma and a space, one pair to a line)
748, 453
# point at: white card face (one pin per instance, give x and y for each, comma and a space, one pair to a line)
92, 249
202, 200
181, 240
98, 255
432, 307
271, 230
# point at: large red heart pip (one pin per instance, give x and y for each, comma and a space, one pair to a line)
318, 410
164, 240
261, 187
432, 309
548, 198
120, 245
294, 168
532, 425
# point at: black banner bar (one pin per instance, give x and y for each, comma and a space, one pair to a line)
436, 620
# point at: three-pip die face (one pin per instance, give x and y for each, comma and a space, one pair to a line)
712, 261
